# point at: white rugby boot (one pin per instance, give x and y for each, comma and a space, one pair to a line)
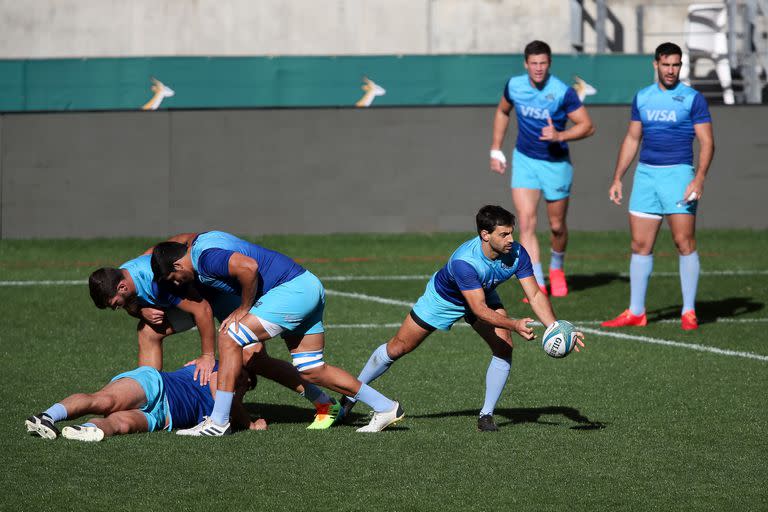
382, 420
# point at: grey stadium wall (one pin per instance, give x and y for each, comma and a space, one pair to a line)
73, 175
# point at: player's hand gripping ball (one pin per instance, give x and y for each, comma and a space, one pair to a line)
559, 339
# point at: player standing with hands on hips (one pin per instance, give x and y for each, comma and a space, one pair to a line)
540, 162
666, 116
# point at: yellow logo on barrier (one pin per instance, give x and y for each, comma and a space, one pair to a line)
161, 91
372, 90
582, 88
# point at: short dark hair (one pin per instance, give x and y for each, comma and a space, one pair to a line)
164, 255
102, 284
537, 48
667, 49
491, 216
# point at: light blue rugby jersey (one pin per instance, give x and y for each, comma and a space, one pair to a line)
147, 288
469, 269
668, 117
532, 107
210, 259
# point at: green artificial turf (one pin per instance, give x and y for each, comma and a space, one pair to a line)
629, 424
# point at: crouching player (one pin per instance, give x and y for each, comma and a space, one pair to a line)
466, 288
141, 400
277, 297
162, 312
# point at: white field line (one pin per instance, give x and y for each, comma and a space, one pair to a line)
618, 335
383, 300
412, 277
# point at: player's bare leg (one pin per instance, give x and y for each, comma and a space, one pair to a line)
683, 227
501, 345
644, 230
557, 212
526, 201
118, 423
409, 336
307, 353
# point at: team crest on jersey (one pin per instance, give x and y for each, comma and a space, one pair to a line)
534, 112
661, 115
550, 97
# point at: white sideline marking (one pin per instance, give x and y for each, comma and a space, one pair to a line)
679, 344
642, 339
40, 283
370, 298
413, 277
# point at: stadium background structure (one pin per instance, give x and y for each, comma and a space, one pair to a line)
251, 172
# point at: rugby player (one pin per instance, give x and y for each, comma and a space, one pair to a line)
540, 162
140, 400
466, 287
277, 297
666, 116
161, 313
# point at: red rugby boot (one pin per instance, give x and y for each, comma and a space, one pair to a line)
688, 321
626, 319
557, 282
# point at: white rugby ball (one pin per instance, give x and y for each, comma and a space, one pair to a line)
559, 339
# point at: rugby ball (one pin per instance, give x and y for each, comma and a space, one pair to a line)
559, 339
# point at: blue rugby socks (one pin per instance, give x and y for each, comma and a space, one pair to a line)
689, 279
556, 260
374, 399
315, 395
640, 268
222, 406
56, 412
495, 379
377, 364
538, 273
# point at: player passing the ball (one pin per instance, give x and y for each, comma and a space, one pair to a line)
466, 288
666, 116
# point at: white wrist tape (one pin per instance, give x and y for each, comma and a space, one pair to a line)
498, 154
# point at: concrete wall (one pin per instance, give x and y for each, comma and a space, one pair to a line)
316, 171
116, 28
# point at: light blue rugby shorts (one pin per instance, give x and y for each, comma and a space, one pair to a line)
297, 305
554, 179
156, 409
660, 190
441, 314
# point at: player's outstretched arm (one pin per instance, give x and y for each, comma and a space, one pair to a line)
246, 270
476, 301
500, 125
627, 152
539, 302
203, 314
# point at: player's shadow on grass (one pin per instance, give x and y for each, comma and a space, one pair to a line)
531, 415
280, 413
287, 414
578, 282
710, 310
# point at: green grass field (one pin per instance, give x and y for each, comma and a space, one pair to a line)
640, 421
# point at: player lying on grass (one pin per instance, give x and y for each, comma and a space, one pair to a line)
141, 400
277, 297
466, 287
162, 312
